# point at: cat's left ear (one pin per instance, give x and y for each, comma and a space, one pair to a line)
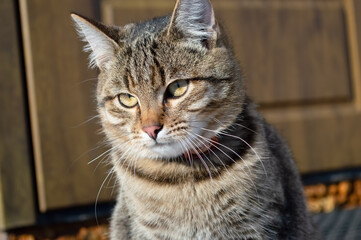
102, 40
194, 20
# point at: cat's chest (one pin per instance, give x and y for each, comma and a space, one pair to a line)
179, 203
189, 212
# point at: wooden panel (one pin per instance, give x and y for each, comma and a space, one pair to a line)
127, 11
17, 206
295, 51
321, 137
353, 17
327, 136
61, 92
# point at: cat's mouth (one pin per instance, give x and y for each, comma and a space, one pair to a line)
179, 149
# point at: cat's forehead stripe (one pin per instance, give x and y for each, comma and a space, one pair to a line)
160, 69
143, 68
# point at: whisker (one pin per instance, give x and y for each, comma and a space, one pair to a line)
98, 145
196, 138
85, 81
111, 172
200, 158
203, 152
187, 151
97, 198
105, 158
107, 151
253, 150
213, 145
86, 121
235, 123
116, 182
218, 143
123, 158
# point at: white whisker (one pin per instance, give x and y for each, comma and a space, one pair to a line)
107, 151
196, 139
86, 121
96, 200
200, 157
245, 162
213, 145
253, 150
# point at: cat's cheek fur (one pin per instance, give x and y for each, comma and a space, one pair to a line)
109, 117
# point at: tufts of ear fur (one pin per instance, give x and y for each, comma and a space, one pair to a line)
194, 19
101, 40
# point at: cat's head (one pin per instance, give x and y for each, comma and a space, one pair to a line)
166, 86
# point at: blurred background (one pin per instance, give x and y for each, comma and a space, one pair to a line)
302, 63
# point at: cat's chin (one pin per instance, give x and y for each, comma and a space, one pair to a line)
165, 150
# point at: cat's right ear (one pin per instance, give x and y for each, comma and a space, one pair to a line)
101, 40
194, 20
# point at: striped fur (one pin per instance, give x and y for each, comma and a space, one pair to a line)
216, 170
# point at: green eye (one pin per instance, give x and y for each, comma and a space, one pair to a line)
178, 88
127, 100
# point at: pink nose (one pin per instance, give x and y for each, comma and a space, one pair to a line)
153, 130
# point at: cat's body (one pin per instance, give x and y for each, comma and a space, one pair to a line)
193, 157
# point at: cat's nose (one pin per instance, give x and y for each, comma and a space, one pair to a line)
153, 130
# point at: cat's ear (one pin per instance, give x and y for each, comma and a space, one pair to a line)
194, 19
101, 40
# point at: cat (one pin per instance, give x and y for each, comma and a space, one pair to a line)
194, 158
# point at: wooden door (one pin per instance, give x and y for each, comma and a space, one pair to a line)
61, 94
301, 60
17, 196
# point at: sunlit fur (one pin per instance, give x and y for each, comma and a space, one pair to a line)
216, 170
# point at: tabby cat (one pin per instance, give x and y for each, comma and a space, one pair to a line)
193, 157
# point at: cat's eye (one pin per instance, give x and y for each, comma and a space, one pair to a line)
178, 88
127, 100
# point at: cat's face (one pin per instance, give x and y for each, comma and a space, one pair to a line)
163, 93
178, 88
